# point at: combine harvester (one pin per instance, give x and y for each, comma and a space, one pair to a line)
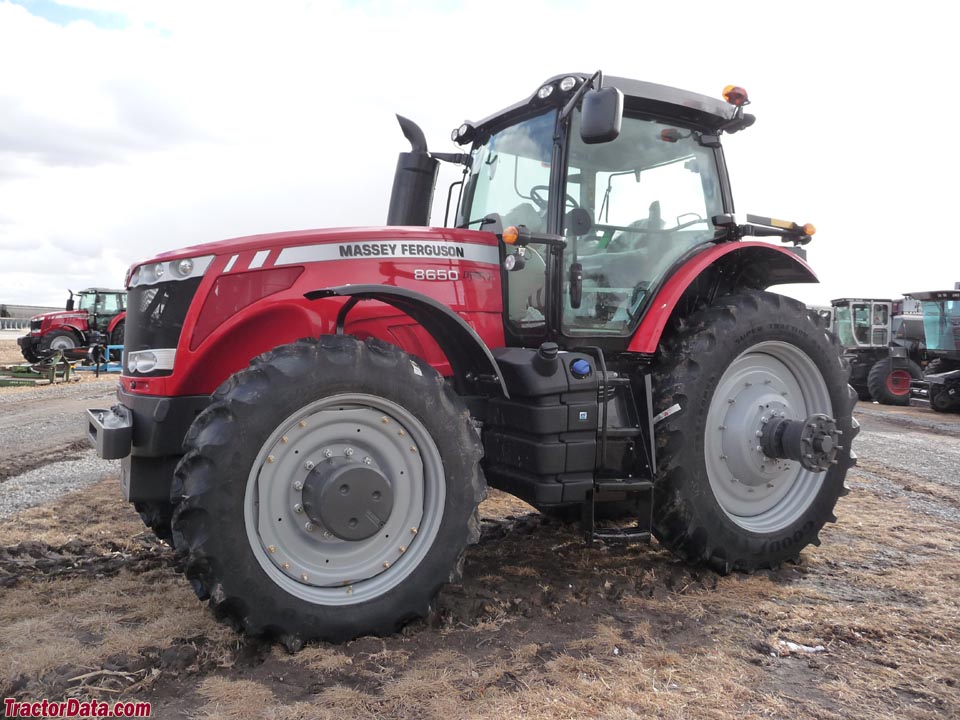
940, 386
313, 417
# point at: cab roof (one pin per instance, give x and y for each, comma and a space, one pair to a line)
685, 107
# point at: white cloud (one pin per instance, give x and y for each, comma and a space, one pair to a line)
203, 120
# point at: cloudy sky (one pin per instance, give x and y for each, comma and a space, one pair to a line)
129, 127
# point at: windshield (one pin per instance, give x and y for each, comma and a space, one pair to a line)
510, 176
941, 325
650, 196
87, 301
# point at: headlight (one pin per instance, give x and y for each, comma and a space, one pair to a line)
545, 92
144, 361
568, 83
183, 269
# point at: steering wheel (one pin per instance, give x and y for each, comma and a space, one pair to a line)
541, 202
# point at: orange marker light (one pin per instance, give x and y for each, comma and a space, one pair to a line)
510, 235
809, 229
735, 95
670, 135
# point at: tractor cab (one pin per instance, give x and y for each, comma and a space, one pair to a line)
941, 322
626, 204
863, 323
101, 306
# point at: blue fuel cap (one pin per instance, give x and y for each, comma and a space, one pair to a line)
580, 368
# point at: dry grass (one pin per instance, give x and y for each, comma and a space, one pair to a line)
617, 633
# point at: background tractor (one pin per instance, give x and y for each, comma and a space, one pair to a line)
313, 417
940, 386
96, 316
868, 328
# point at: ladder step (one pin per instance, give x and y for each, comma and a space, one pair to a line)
629, 485
623, 535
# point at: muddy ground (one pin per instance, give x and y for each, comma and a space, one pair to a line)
867, 625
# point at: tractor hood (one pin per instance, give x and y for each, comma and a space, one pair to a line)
61, 315
305, 237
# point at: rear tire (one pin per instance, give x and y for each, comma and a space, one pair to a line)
275, 438
717, 500
889, 385
116, 337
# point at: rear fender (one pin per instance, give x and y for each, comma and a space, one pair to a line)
116, 321
469, 356
729, 267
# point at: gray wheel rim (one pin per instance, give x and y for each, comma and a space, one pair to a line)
62, 342
311, 563
758, 493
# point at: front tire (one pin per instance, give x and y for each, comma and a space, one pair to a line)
889, 385
264, 493
718, 499
57, 340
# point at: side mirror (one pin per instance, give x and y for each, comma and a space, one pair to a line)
601, 115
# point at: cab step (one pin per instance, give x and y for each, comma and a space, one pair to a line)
629, 490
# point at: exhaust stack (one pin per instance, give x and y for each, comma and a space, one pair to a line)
414, 180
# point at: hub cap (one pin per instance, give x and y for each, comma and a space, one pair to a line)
344, 499
898, 382
771, 380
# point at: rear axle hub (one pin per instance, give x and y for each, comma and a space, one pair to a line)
813, 442
351, 500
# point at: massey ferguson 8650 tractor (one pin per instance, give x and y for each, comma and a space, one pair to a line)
312, 417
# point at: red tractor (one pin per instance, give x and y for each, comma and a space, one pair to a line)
313, 417
98, 318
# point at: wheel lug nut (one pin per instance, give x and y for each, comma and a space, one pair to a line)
759, 449
328, 453
298, 485
272, 548
348, 452
386, 565
326, 533
758, 433
309, 466
304, 577
309, 527
298, 508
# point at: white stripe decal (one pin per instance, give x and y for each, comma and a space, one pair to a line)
259, 259
389, 249
230, 263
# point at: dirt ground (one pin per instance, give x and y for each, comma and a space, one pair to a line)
867, 625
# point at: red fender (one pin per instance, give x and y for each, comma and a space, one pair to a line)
777, 265
116, 321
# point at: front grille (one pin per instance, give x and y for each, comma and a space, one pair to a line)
36, 324
155, 315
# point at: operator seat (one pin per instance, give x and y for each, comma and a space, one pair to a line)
628, 239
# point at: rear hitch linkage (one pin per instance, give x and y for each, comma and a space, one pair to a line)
814, 442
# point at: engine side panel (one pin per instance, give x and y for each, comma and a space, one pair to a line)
252, 300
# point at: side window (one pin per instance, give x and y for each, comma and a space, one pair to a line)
650, 196
107, 303
861, 323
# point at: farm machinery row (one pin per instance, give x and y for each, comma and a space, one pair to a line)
902, 351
